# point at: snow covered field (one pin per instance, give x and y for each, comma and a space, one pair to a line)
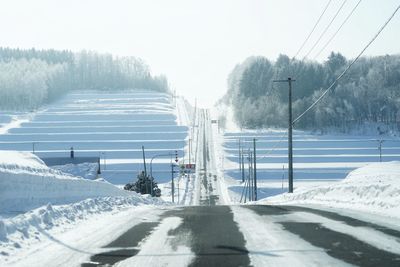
318, 159
112, 126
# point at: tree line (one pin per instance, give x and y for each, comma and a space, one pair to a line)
368, 93
30, 78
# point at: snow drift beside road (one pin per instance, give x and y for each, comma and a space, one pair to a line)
373, 188
27, 183
26, 232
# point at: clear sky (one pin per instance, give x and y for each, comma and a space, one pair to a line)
196, 43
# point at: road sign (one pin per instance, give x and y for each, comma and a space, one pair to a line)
190, 166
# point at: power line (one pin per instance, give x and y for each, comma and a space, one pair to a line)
280, 140
283, 137
348, 67
333, 36
315, 25
326, 28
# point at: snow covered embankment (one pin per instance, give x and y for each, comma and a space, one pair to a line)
374, 188
42, 226
27, 183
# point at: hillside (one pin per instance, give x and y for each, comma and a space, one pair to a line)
111, 125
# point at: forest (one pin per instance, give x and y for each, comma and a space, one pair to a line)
369, 93
30, 78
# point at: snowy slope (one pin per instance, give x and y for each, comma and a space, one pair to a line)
111, 125
318, 159
85, 170
26, 183
373, 188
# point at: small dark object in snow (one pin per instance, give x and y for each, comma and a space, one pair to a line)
143, 185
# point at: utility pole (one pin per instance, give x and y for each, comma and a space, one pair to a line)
251, 193
248, 176
172, 181
255, 169
290, 134
195, 111
240, 161
380, 150
144, 162
190, 152
178, 188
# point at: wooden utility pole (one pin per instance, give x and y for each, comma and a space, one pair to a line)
255, 169
251, 192
190, 154
172, 182
240, 161
144, 162
290, 134
380, 150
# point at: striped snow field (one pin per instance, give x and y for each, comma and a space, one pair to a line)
112, 126
317, 158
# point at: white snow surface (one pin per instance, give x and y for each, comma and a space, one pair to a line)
45, 235
27, 183
111, 125
374, 188
87, 170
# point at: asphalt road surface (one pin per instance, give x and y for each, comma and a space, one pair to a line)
215, 238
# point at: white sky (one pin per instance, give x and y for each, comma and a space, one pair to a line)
195, 43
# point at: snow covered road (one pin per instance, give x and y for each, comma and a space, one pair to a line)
249, 235
208, 180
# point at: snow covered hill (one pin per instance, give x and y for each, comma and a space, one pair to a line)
27, 183
372, 188
111, 125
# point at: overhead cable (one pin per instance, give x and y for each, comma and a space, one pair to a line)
315, 25
348, 67
325, 30
340, 27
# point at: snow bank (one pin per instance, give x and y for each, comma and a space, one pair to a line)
85, 170
29, 229
374, 188
27, 183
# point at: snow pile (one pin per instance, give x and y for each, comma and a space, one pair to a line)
86, 170
373, 188
27, 183
26, 230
